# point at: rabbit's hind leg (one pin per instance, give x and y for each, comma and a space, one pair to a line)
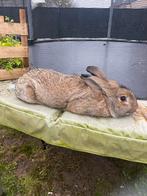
25, 92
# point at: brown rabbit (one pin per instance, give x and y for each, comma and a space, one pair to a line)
93, 96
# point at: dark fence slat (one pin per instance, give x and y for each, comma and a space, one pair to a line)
70, 22
46, 22
129, 24
83, 22
11, 12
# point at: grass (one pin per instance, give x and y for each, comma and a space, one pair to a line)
10, 183
27, 169
26, 149
23, 166
103, 186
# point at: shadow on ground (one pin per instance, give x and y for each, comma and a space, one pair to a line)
26, 168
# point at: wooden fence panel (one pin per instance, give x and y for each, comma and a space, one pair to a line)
21, 51
13, 52
13, 28
24, 38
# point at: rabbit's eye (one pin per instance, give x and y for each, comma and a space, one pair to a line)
123, 98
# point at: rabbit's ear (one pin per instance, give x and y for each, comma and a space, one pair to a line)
91, 82
95, 71
99, 84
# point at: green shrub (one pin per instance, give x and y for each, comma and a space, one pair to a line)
10, 40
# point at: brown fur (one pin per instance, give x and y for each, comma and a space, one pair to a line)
93, 96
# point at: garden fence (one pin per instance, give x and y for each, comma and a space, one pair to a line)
21, 29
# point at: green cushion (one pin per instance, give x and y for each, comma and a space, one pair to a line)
124, 138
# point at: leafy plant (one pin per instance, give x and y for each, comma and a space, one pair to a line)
10, 64
7, 41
